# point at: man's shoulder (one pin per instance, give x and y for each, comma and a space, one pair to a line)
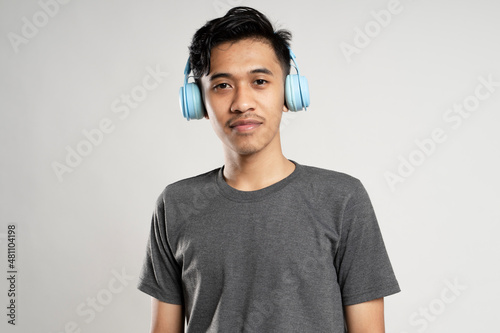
330, 177
331, 185
203, 178
188, 185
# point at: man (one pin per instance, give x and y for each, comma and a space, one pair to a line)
262, 244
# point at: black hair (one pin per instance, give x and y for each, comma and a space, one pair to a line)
238, 23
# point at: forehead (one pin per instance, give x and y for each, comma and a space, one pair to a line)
243, 55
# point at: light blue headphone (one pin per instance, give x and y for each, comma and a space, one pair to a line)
296, 93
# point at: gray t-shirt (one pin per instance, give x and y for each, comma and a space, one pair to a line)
285, 258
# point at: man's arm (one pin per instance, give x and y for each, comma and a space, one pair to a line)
367, 317
166, 318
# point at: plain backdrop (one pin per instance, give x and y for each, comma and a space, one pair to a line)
405, 96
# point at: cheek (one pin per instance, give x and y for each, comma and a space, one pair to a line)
210, 106
213, 117
213, 103
279, 95
276, 101
216, 117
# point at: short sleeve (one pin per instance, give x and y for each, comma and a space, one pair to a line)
161, 274
364, 270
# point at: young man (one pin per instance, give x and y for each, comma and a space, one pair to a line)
262, 244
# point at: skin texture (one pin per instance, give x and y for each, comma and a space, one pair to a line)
367, 317
166, 318
246, 84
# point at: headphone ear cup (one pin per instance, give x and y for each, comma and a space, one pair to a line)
304, 89
291, 92
191, 102
182, 103
296, 95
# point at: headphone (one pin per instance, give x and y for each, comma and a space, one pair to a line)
296, 93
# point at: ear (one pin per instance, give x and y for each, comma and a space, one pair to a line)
285, 109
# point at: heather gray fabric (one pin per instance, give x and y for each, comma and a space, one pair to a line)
285, 258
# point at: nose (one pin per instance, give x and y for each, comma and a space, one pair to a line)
243, 99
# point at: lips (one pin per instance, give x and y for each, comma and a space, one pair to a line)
243, 125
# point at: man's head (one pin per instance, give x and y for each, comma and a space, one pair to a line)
240, 64
239, 23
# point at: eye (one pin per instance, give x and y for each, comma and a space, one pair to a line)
260, 82
221, 86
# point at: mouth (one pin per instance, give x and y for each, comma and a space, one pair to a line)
245, 125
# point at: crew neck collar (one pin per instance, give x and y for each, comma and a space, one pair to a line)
246, 196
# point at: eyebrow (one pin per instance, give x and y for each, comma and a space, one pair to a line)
262, 70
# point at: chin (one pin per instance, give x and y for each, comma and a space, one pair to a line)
245, 149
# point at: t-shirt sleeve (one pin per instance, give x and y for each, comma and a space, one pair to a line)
161, 274
364, 270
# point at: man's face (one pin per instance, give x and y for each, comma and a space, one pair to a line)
244, 95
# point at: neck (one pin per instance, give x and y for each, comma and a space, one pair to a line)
255, 171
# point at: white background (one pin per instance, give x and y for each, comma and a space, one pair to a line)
76, 232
